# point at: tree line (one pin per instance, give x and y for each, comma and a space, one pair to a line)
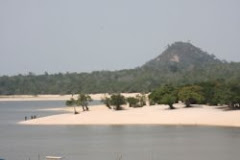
115, 101
82, 100
210, 93
142, 79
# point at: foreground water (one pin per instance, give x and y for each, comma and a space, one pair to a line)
109, 142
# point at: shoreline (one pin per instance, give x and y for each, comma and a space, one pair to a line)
143, 124
200, 115
54, 97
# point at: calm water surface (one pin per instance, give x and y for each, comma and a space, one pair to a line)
109, 142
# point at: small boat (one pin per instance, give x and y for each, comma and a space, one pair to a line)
53, 158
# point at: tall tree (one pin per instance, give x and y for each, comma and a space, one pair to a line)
83, 100
233, 96
191, 94
72, 102
164, 95
117, 100
107, 102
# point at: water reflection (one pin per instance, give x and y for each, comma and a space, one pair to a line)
152, 142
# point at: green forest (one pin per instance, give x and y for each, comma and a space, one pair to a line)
180, 64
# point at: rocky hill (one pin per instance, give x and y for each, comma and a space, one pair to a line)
182, 55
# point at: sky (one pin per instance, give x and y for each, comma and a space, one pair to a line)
91, 35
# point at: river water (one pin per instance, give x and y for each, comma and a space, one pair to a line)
146, 142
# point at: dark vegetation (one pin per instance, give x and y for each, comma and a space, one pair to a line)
164, 95
181, 64
138, 101
210, 93
82, 100
115, 101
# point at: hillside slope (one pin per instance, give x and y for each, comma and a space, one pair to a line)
184, 56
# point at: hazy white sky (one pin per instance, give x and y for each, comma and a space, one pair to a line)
86, 35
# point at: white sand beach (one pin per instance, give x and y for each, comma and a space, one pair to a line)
54, 97
148, 115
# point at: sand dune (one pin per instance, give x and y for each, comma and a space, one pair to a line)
148, 115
